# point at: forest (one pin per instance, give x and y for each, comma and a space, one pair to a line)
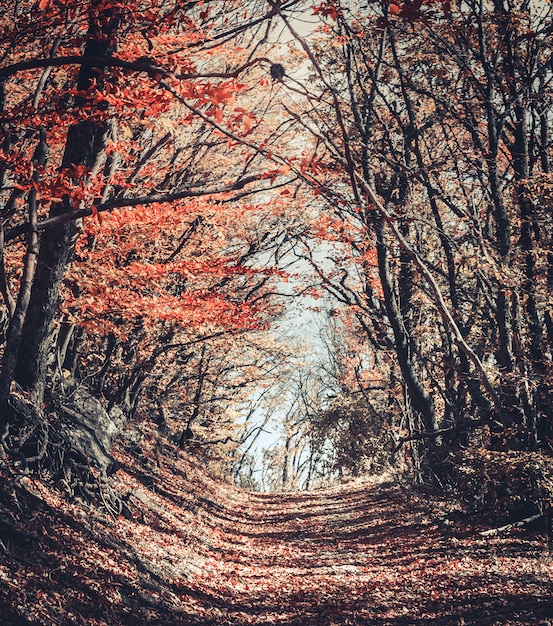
276, 279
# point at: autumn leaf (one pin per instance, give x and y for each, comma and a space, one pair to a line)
326, 10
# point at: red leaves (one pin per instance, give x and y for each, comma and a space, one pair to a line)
407, 9
127, 279
411, 9
222, 93
243, 118
327, 9
213, 93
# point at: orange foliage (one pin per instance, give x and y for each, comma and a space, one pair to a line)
124, 275
161, 75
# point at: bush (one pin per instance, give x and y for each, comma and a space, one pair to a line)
504, 486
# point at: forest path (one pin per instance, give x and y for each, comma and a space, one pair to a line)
195, 550
366, 553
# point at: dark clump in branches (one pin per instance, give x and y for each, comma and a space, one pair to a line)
277, 71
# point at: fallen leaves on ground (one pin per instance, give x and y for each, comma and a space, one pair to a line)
198, 551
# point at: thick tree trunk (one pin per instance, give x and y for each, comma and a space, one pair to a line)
56, 252
85, 142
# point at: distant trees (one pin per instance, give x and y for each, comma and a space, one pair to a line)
339, 417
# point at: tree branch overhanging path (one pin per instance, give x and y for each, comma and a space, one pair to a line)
159, 74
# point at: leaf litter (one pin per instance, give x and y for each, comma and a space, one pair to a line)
195, 550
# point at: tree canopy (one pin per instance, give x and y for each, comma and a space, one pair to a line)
172, 175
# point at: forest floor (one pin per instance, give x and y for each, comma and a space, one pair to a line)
198, 551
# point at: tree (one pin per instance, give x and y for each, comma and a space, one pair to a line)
105, 106
430, 126
403, 153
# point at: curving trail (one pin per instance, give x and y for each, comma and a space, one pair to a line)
197, 551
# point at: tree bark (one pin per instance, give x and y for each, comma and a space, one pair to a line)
85, 142
420, 399
16, 328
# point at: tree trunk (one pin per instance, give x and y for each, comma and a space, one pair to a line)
84, 144
16, 328
420, 400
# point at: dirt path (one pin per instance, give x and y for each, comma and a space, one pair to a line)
365, 554
197, 551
